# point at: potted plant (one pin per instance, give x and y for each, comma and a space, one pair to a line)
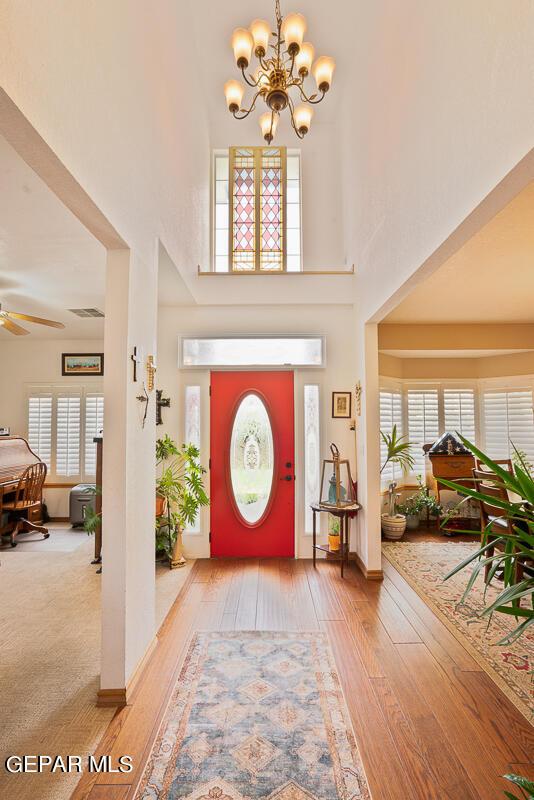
397, 452
180, 485
517, 596
411, 510
422, 500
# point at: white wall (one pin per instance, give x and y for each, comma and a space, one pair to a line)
442, 111
332, 321
31, 361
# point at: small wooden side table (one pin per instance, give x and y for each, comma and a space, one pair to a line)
345, 513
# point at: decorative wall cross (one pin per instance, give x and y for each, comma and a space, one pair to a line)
161, 402
137, 358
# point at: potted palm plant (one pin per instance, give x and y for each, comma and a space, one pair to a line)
517, 596
181, 493
397, 452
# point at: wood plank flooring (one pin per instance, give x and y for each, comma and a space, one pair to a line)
429, 723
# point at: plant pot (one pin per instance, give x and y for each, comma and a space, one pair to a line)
333, 542
412, 521
393, 527
161, 505
177, 556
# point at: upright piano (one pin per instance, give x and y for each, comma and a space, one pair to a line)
15, 455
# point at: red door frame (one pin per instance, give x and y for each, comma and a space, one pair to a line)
273, 535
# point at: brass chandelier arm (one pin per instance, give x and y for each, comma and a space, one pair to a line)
244, 112
291, 110
309, 99
247, 81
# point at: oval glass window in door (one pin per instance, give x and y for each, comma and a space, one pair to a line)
251, 458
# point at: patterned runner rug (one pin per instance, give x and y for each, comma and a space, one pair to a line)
256, 715
423, 565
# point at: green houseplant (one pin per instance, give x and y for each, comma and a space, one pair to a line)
397, 452
517, 596
180, 485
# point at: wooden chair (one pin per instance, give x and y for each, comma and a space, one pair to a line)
27, 498
505, 463
488, 483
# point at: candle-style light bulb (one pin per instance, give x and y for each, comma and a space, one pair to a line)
242, 43
323, 70
293, 30
234, 92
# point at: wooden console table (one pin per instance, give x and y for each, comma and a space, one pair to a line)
345, 514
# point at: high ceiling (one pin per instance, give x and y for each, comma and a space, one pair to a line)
49, 263
490, 279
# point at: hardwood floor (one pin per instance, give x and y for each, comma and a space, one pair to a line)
429, 723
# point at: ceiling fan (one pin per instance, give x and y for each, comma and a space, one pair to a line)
7, 317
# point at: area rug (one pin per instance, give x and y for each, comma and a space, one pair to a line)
256, 715
424, 566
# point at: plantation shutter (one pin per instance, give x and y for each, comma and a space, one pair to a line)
459, 412
390, 415
40, 426
509, 419
423, 425
94, 423
68, 435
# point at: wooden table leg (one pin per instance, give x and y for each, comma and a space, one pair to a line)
342, 523
314, 536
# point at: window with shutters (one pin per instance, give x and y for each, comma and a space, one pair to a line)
61, 427
508, 419
256, 210
94, 425
423, 424
390, 415
68, 423
459, 412
40, 426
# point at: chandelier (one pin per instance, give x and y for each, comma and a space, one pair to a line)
283, 65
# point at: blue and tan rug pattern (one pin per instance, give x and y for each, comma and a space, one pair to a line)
256, 715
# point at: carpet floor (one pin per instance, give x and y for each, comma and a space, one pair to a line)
256, 715
50, 655
423, 565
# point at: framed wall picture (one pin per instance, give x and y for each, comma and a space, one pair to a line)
341, 405
81, 364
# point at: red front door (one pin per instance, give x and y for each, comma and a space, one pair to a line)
252, 464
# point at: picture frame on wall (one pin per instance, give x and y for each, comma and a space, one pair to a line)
341, 405
82, 364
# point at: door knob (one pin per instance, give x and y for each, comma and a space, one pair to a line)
287, 478
289, 464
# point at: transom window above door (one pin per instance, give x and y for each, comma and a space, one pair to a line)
257, 210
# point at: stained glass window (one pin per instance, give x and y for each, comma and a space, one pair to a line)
256, 212
272, 210
243, 173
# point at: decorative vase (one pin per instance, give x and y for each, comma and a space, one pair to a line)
412, 521
177, 557
393, 527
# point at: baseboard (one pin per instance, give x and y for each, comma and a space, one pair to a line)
369, 574
107, 698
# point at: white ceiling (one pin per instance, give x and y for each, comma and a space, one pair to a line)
489, 279
49, 262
